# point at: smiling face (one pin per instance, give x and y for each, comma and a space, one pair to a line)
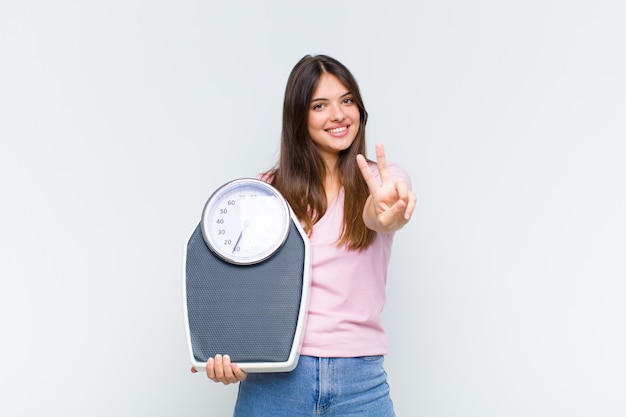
333, 118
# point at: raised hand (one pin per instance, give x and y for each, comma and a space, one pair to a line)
390, 204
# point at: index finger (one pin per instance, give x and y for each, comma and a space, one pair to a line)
370, 180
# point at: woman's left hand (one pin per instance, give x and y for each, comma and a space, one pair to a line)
390, 204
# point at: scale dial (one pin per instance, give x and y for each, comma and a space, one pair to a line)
245, 221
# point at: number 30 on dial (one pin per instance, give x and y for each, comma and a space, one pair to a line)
245, 221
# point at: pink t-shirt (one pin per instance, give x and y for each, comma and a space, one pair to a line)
347, 288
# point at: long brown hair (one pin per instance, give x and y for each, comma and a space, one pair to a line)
300, 172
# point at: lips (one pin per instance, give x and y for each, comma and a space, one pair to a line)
341, 130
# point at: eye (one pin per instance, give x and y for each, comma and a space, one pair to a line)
317, 106
348, 100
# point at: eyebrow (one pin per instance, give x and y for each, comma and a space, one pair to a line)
348, 93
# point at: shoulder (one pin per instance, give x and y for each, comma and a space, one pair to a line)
395, 171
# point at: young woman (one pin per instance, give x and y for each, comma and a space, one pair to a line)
350, 207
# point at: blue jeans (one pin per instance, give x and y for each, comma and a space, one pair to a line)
329, 387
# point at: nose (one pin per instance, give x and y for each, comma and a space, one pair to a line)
337, 114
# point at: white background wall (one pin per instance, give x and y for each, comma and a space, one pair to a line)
118, 118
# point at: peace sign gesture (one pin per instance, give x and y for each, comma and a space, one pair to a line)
390, 204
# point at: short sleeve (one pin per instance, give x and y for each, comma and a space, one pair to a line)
395, 171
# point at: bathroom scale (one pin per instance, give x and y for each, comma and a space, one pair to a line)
246, 279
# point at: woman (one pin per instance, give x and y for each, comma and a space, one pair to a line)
350, 207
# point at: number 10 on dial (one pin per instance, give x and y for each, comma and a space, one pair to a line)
245, 221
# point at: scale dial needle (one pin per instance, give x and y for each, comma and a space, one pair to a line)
246, 223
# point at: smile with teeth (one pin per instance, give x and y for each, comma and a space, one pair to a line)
337, 129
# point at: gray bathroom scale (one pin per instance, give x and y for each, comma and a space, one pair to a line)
246, 279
